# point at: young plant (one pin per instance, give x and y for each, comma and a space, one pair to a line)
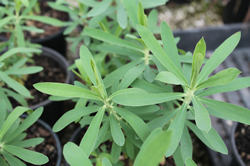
12, 73
12, 143
14, 18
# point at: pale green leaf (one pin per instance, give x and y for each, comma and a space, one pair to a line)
153, 149
6, 20
25, 70
20, 38
131, 8
13, 161
219, 55
168, 77
152, 20
65, 90
190, 162
186, 145
221, 78
202, 117
177, 127
238, 83
151, 4
27, 155
28, 142
88, 141
121, 15
136, 123
149, 74
2, 112
229, 111
75, 156
99, 8
116, 131
159, 53
115, 152
106, 162
44, 19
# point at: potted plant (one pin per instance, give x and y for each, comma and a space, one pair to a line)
22, 19
135, 104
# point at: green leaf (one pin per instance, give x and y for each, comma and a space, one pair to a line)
75, 155
200, 48
202, 117
199, 134
44, 19
27, 155
2, 113
99, 8
152, 20
106, 162
25, 70
11, 119
143, 99
88, 141
19, 98
221, 78
153, 148
115, 152
25, 2
20, 38
196, 66
177, 127
102, 134
229, 111
147, 86
116, 131
109, 38
190, 162
130, 148
151, 4
62, 7
1, 64
162, 120
5, 98
12, 160
73, 115
238, 83
186, 145
3, 162
32, 29
149, 74
140, 14
130, 76
178, 157
28, 142
169, 44
169, 78
65, 90
121, 15
131, 8
219, 55
6, 20
18, 50
145, 110
15, 85
120, 72
136, 123
215, 140
31, 119
159, 53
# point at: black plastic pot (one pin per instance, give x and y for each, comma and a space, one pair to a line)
236, 155
53, 110
55, 137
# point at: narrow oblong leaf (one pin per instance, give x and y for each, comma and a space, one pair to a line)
11, 159
190, 162
177, 127
238, 83
168, 77
25, 70
75, 155
106, 162
159, 53
65, 90
131, 8
229, 111
109, 38
73, 115
149, 74
221, 78
143, 99
2, 112
186, 145
5, 20
15, 85
28, 142
153, 148
202, 117
136, 123
88, 141
99, 8
169, 44
115, 152
219, 55
116, 131
121, 15
27, 155
44, 19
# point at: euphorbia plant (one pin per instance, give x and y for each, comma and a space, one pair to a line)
132, 110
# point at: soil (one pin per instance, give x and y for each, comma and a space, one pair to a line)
48, 29
242, 139
47, 147
52, 72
